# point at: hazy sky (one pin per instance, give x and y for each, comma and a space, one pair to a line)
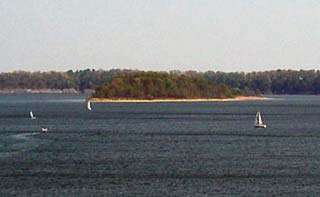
227, 35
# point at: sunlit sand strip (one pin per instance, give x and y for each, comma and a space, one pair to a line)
240, 98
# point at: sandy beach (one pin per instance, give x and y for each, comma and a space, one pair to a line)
239, 98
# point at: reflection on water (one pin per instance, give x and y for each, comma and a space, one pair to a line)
18, 143
24, 136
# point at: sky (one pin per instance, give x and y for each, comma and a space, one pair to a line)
219, 35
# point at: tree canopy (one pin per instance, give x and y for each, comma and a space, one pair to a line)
155, 85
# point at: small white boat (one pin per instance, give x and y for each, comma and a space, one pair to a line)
89, 105
258, 122
44, 130
32, 116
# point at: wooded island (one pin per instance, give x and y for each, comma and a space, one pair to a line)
162, 85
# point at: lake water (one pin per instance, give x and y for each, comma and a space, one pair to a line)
159, 149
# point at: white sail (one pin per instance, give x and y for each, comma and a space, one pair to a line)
258, 121
89, 105
32, 116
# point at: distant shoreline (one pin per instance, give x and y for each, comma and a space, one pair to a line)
45, 91
239, 98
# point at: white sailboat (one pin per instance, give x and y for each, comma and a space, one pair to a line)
32, 116
89, 105
44, 130
258, 121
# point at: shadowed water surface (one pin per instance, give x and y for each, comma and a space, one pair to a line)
158, 149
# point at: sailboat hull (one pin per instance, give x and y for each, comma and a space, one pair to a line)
263, 126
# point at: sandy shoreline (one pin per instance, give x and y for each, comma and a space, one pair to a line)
239, 98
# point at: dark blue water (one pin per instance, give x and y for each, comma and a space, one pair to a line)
167, 149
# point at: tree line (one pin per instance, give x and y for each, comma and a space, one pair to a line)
79, 80
267, 82
271, 82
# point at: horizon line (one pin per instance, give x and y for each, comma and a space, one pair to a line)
156, 70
